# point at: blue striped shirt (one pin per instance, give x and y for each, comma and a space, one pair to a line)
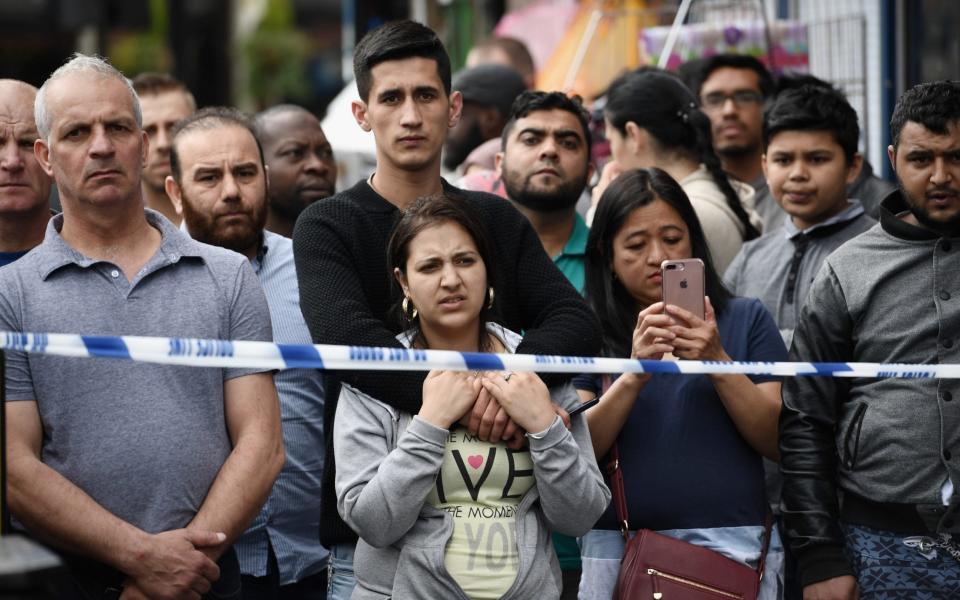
291, 516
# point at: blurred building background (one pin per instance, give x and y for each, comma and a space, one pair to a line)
255, 53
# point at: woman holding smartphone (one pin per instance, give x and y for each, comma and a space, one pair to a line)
440, 513
690, 446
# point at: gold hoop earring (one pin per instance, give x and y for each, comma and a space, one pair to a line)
490, 297
405, 307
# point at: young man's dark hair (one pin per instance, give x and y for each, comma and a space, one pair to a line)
209, 118
534, 101
813, 108
398, 40
934, 105
733, 61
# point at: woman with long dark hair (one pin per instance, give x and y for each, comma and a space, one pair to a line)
652, 120
690, 447
440, 513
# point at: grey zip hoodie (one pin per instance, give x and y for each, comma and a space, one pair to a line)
387, 464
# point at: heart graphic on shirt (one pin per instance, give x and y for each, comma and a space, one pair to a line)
475, 461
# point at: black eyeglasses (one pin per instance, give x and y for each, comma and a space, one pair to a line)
741, 98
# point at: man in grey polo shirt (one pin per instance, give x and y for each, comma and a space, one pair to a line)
219, 185
142, 474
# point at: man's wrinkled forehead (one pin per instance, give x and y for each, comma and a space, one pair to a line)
80, 94
16, 105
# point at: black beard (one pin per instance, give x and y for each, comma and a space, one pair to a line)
203, 229
563, 197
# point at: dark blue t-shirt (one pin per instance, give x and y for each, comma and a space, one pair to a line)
685, 465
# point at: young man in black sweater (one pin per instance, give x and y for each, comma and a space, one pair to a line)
403, 76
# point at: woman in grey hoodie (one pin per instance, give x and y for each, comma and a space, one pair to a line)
440, 513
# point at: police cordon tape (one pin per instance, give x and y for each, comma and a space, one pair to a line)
267, 355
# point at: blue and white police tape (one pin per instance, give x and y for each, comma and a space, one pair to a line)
221, 353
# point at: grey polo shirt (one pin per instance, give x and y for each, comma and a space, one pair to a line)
766, 205
145, 441
779, 267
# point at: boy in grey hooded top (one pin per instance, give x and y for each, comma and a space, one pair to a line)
391, 469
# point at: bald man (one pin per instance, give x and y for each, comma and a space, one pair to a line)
24, 186
299, 160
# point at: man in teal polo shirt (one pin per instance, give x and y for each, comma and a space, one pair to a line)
544, 163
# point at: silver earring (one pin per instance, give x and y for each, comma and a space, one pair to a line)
490, 297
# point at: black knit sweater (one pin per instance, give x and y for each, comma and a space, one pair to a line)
346, 294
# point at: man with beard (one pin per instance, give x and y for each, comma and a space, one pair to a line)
219, 186
300, 164
488, 91
164, 100
24, 187
544, 164
872, 466
142, 474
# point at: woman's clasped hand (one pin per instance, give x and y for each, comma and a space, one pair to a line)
664, 328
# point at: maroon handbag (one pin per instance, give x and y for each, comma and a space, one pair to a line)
656, 566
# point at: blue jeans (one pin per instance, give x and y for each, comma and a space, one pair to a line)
602, 549
341, 580
891, 566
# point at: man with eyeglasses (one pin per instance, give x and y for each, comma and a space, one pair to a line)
732, 89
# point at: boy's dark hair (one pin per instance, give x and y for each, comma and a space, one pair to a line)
934, 105
210, 117
733, 61
792, 81
813, 108
534, 101
397, 40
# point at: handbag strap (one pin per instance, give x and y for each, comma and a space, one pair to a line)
615, 476
619, 492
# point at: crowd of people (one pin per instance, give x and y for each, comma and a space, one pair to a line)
169, 482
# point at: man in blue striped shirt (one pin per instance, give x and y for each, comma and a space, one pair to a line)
219, 186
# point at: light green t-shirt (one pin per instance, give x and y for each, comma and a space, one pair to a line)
480, 485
